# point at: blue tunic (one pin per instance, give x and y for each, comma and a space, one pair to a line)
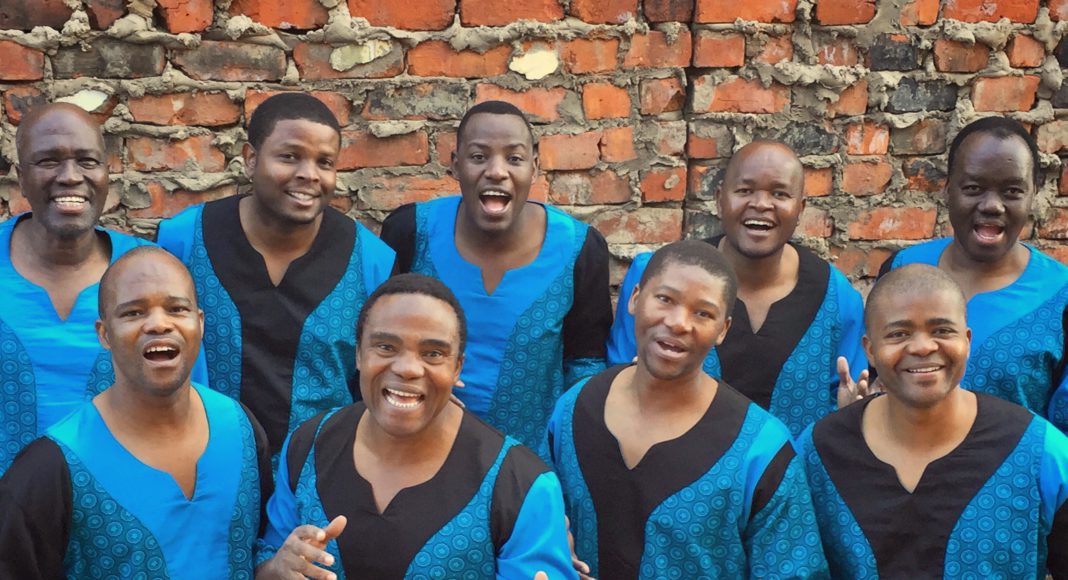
727, 499
542, 329
492, 510
789, 366
48, 366
78, 505
288, 352
994, 507
1018, 334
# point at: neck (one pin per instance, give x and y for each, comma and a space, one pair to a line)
268, 233
501, 242
929, 427
759, 272
145, 413
1013, 262
685, 392
59, 251
430, 444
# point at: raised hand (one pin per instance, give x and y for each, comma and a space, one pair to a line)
302, 552
850, 392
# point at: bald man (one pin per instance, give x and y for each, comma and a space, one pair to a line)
51, 260
795, 316
931, 480
156, 477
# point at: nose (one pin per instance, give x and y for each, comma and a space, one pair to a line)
69, 172
496, 169
308, 170
922, 344
991, 203
407, 365
157, 321
677, 320
762, 200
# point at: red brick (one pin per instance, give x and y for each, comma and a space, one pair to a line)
830, 12
605, 101
196, 108
1052, 137
287, 15
20, 100
815, 223
924, 137
867, 138
756, 10
361, 149
150, 154
313, 61
20, 63
113, 144
838, 52
444, 147
953, 56
1062, 183
539, 102
580, 151
604, 11
668, 10
1058, 9
186, 15
894, 223
1004, 93
103, 13
646, 225
336, 102
617, 144
852, 101
1057, 251
702, 147
819, 181
856, 262
217, 60
718, 49
664, 184
166, 204
435, 58
653, 50
776, 49
1025, 52
670, 138
696, 178
990, 10
919, 13
495, 13
661, 95
539, 190
1056, 225
589, 188
586, 55
866, 177
921, 174
738, 95
422, 15
391, 192
27, 14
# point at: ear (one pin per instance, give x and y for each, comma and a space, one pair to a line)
358, 349
866, 342
451, 169
632, 302
537, 165
248, 153
459, 369
723, 333
102, 335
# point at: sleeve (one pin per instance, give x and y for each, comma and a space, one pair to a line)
587, 324
538, 542
175, 234
263, 460
378, 259
36, 503
398, 231
783, 515
1057, 412
1053, 488
851, 314
281, 512
622, 347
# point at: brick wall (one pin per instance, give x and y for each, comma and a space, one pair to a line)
637, 103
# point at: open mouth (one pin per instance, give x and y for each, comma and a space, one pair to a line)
494, 202
925, 369
402, 399
160, 353
72, 203
670, 349
989, 233
303, 198
758, 225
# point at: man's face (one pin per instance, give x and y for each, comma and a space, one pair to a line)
293, 172
761, 200
495, 164
989, 194
409, 359
63, 172
918, 341
152, 325
679, 315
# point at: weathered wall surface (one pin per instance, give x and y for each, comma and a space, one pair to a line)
638, 103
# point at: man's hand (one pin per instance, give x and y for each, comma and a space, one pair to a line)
581, 567
850, 392
302, 551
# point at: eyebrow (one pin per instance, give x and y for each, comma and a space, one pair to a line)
139, 301
705, 303
928, 322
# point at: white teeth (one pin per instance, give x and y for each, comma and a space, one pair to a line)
406, 400
160, 349
495, 194
757, 223
924, 370
301, 196
69, 199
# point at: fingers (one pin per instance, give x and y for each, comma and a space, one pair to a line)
334, 528
305, 543
843, 371
541, 576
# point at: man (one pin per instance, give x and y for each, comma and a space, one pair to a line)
282, 275
797, 322
533, 280
155, 477
932, 480
51, 260
668, 472
1017, 296
405, 484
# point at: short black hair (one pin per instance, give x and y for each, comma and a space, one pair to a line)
912, 278
495, 108
284, 107
1002, 128
105, 292
414, 284
695, 253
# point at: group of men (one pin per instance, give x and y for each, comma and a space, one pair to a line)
275, 392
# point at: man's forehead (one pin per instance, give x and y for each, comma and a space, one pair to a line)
55, 126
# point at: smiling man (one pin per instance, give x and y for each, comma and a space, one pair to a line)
155, 477
668, 472
1017, 296
797, 322
931, 480
51, 260
405, 484
533, 280
281, 274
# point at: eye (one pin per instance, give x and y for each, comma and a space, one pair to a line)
130, 313
944, 331
89, 163
47, 163
477, 157
897, 335
782, 195
516, 159
287, 156
384, 348
326, 163
970, 189
706, 315
662, 298
1014, 193
743, 191
434, 355
179, 309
